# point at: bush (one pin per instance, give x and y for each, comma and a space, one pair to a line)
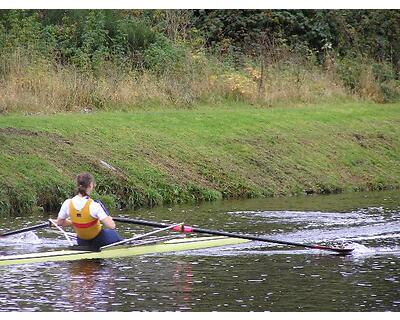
368, 78
163, 56
387, 82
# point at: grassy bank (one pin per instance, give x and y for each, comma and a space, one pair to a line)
171, 156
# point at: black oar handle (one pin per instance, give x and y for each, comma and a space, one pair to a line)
38, 226
234, 235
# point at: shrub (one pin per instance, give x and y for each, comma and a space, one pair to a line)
368, 78
164, 56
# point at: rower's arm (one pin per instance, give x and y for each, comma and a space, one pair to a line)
108, 222
62, 217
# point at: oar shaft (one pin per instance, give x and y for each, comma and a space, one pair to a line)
35, 227
141, 222
140, 236
62, 231
249, 237
235, 235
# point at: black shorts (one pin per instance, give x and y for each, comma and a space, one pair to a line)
105, 237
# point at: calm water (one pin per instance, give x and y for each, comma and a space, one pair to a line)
249, 277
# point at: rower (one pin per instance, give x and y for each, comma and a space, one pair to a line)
85, 214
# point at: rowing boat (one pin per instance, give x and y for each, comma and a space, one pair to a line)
125, 248
174, 245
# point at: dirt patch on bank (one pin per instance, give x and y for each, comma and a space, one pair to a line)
31, 134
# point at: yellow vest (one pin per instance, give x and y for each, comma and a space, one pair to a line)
86, 227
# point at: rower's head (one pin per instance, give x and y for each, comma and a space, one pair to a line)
84, 183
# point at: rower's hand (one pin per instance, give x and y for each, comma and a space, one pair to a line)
60, 222
108, 222
52, 223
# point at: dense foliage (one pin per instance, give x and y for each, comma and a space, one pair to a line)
358, 49
84, 34
375, 33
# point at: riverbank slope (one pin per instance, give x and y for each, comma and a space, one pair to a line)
152, 157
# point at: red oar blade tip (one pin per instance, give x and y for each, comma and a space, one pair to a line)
182, 228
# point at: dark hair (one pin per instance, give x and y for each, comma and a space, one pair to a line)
83, 181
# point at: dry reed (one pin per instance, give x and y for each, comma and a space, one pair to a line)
38, 86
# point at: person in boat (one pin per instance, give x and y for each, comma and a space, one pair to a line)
85, 214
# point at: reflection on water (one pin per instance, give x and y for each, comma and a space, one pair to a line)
249, 277
85, 283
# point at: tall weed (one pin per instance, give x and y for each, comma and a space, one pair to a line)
179, 77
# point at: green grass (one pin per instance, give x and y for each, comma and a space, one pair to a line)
200, 154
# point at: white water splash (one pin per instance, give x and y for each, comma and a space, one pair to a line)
359, 249
362, 251
27, 238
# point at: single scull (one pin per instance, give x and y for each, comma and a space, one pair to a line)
159, 245
173, 245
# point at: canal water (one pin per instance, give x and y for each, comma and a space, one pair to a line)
248, 277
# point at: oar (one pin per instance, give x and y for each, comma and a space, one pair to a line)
141, 236
38, 226
343, 251
62, 231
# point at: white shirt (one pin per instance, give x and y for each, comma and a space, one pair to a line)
96, 210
